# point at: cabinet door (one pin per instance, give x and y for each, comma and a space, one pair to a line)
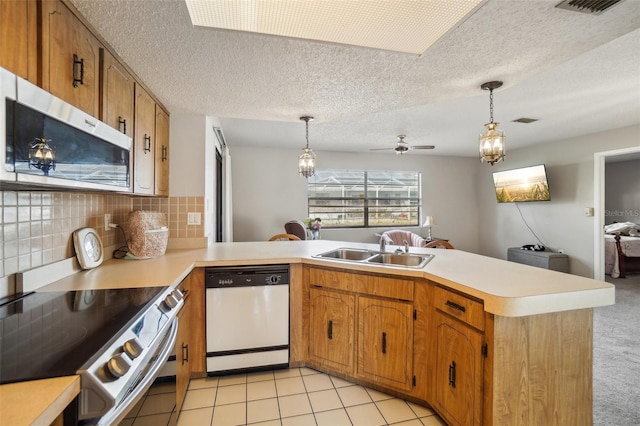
143, 142
332, 329
70, 58
458, 371
183, 368
162, 152
117, 95
18, 38
385, 342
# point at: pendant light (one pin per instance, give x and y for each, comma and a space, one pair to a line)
492, 147
307, 161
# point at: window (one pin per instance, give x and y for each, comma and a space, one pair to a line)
349, 199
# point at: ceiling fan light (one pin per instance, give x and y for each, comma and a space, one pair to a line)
492, 144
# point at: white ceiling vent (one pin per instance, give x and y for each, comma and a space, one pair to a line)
593, 7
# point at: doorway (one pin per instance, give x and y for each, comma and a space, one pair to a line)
600, 159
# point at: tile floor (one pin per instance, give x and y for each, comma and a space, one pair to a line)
297, 396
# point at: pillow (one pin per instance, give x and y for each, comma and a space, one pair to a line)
624, 228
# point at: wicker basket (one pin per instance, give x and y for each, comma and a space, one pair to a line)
148, 234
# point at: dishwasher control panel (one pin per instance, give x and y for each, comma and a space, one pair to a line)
245, 276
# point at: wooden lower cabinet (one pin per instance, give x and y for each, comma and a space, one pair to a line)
189, 349
385, 342
332, 329
459, 366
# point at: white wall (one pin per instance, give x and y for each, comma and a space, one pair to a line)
192, 162
622, 193
560, 223
267, 192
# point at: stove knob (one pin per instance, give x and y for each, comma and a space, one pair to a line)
170, 302
177, 294
118, 365
133, 348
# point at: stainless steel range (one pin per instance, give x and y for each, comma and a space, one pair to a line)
116, 340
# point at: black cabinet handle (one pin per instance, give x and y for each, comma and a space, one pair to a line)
122, 125
384, 342
452, 374
185, 353
164, 153
147, 143
455, 306
78, 70
330, 330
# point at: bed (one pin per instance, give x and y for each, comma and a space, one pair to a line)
622, 252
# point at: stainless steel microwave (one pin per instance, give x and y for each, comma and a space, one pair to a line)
46, 142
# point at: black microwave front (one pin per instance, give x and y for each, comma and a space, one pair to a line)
48, 142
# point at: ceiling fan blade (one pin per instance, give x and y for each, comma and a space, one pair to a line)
423, 147
381, 149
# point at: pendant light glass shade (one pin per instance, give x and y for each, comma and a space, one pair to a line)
307, 161
492, 142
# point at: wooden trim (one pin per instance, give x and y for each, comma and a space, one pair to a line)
298, 314
543, 369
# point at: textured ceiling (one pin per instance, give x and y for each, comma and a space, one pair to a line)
577, 73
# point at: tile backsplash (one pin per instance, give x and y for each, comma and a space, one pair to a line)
36, 227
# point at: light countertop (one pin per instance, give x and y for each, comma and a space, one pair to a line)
507, 288
38, 402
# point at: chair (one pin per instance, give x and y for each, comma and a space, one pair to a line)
397, 237
440, 244
296, 228
284, 237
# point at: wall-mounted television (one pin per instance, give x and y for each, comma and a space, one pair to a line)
519, 185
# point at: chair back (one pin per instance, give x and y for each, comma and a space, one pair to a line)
296, 228
284, 237
397, 237
440, 244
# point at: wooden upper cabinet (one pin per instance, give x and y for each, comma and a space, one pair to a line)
332, 329
18, 38
162, 152
385, 342
117, 95
144, 142
70, 58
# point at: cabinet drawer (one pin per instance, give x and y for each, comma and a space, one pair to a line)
395, 288
460, 307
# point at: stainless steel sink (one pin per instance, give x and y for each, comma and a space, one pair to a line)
348, 254
412, 260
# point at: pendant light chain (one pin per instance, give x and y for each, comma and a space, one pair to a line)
307, 121
491, 105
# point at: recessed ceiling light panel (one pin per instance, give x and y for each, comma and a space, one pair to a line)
408, 26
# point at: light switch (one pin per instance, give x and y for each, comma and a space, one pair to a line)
193, 218
588, 211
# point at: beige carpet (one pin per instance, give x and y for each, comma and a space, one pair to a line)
616, 356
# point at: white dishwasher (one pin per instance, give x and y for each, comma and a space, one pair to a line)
247, 318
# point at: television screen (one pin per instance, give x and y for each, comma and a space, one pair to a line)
526, 184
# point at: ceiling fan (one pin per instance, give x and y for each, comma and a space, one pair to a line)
402, 147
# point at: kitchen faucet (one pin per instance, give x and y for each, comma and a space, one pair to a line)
383, 245
406, 246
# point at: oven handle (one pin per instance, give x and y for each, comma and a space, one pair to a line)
118, 413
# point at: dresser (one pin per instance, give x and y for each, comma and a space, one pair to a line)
542, 259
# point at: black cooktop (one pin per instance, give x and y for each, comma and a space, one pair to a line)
45, 335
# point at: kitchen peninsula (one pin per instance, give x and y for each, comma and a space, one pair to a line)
481, 340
